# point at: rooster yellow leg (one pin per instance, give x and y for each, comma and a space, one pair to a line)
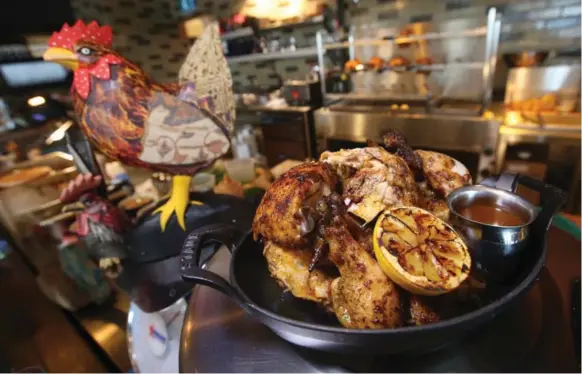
178, 202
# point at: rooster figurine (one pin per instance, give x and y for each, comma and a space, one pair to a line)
98, 222
178, 128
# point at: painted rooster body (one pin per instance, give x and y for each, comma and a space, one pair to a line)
168, 128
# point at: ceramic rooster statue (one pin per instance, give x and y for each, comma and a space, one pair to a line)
98, 222
178, 128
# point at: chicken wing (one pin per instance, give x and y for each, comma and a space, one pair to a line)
436, 174
443, 175
285, 215
363, 296
372, 180
429, 200
290, 267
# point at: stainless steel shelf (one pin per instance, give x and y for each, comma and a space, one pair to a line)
376, 97
245, 31
308, 22
437, 67
479, 31
419, 68
255, 57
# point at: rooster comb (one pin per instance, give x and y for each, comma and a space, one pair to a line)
69, 35
83, 183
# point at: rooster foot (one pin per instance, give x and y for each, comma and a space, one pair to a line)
111, 266
177, 203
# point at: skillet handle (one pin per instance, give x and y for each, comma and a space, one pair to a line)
190, 269
552, 198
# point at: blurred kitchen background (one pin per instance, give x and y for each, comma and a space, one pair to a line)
493, 83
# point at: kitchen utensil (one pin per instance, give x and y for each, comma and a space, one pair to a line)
304, 324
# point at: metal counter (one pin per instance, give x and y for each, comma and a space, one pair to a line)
446, 133
434, 131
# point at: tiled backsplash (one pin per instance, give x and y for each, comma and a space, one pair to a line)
146, 31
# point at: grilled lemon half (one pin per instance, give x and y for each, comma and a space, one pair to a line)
419, 251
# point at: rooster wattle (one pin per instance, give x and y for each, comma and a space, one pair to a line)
176, 128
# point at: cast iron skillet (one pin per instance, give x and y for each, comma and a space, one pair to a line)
299, 322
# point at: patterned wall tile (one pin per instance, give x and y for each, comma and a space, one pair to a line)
572, 10
563, 23
146, 31
388, 15
523, 26
526, 6
420, 18
553, 3
573, 32
457, 4
142, 29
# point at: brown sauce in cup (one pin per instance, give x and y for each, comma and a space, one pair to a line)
489, 214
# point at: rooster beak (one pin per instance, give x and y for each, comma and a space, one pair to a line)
62, 56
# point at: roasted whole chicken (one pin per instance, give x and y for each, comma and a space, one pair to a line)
173, 128
314, 220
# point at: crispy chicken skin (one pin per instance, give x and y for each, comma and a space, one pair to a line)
436, 174
429, 200
363, 296
421, 312
443, 173
372, 180
284, 215
290, 267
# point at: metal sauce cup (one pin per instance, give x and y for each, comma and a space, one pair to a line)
495, 249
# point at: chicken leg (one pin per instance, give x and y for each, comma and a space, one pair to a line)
290, 267
363, 296
177, 203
